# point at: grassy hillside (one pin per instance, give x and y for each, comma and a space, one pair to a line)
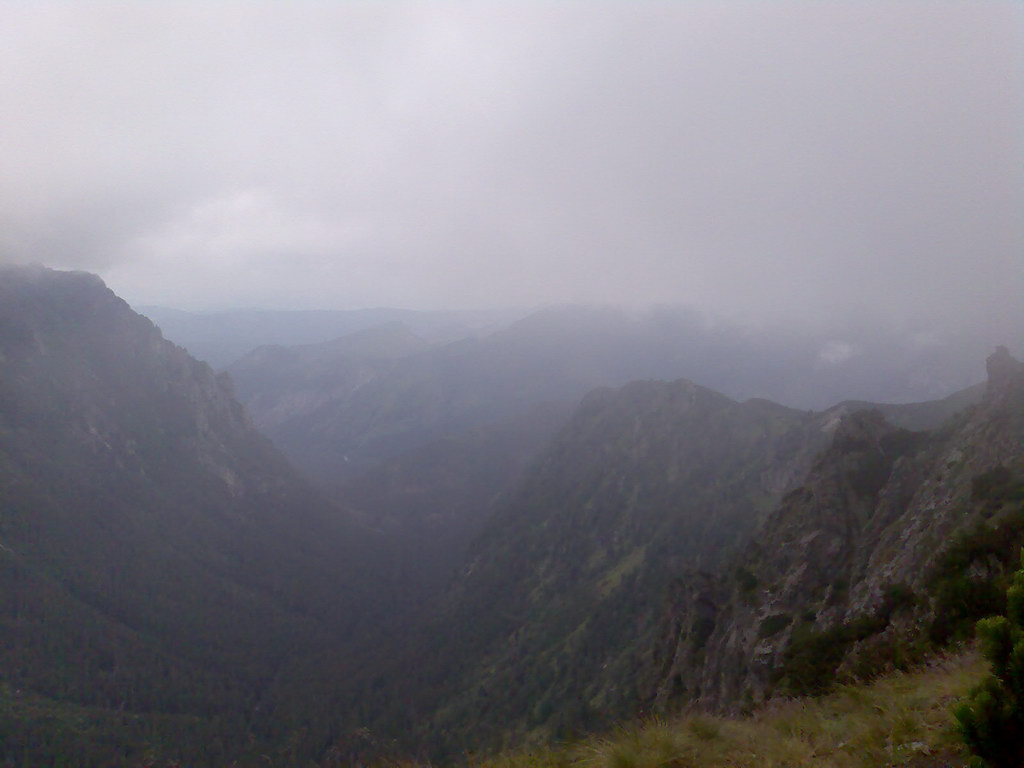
903, 719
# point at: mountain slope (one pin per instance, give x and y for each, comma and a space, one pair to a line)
895, 540
560, 594
158, 557
560, 609
433, 501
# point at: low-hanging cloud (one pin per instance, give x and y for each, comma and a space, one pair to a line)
774, 160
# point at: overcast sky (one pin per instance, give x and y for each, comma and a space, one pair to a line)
773, 159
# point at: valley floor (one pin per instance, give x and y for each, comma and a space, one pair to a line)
903, 719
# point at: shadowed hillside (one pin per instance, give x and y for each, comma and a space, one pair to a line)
163, 569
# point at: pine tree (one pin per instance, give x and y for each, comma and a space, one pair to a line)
991, 722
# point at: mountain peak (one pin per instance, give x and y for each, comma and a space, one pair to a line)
147, 523
863, 426
1005, 372
36, 274
386, 341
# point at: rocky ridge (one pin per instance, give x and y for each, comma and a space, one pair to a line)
840, 578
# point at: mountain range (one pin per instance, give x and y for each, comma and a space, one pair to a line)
342, 406
523, 544
598, 582
414, 433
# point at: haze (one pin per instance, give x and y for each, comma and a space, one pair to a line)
772, 161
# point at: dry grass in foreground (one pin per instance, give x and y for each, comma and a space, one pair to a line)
902, 719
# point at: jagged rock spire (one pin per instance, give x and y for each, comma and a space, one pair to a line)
1005, 373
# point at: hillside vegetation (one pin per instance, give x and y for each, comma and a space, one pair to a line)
903, 719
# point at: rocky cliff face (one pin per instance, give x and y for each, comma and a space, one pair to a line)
842, 575
84, 374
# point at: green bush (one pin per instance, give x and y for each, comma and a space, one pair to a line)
991, 722
813, 656
998, 484
810, 662
746, 581
961, 598
774, 624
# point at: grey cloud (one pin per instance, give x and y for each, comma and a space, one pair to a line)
790, 161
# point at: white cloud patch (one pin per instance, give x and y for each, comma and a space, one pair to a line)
244, 245
836, 353
235, 228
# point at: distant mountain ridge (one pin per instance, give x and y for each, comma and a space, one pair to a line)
334, 431
919, 416
221, 337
